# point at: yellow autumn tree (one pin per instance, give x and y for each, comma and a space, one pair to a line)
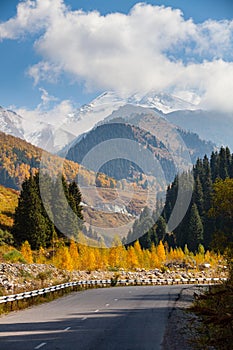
84, 252
146, 258
27, 252
41, 256
115, 253
91, 259
132, 260
155, 263
73, 250
63, 259
104, 258
161, 252
139, 254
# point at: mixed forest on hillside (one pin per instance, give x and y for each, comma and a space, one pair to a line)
205, 226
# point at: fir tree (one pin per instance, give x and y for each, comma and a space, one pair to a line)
195, 228
161, 228
198, 197
31, 224
223, 164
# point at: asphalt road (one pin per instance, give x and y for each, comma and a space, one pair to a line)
121, 318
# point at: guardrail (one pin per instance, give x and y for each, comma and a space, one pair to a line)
109, 282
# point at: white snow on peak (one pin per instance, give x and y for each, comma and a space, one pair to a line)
164, 102
86, 117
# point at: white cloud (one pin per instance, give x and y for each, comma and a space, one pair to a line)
46, 98
46, 113
152, 47
32, 16
44, 71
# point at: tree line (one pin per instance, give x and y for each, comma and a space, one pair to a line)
201, 224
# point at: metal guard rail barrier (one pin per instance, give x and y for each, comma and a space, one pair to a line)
151, 281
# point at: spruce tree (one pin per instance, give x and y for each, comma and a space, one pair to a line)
198, 197
75, 197
161, 228
30, 223
195, 229
223, 166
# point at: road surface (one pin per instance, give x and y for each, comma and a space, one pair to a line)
120, 318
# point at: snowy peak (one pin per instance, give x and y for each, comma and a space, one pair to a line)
108, 102
53, 138
11, 123
163, 102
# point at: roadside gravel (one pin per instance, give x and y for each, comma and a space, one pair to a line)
182, 328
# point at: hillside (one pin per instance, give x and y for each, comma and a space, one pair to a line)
19, 158
209, 125
8, 203
149, 132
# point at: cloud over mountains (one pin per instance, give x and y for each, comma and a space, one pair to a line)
151, 47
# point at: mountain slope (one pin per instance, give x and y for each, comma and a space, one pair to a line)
8, 203
11, 123
212, 126
18, 159
209, 125
175, 139
41, 132
103, 142
120, 168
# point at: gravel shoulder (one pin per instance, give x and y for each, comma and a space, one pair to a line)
182, 328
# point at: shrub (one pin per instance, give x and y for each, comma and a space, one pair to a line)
6, 238
14, 256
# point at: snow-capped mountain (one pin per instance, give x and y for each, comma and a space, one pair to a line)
56, 134
85, 118
107, 102
163, 102
11, 123
36, 132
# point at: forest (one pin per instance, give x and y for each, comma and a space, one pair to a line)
203, 223
205, 231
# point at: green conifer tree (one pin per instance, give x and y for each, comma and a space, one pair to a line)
195, 229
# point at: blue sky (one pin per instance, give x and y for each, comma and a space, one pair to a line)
58, 57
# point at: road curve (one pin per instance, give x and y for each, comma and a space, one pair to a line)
121, 318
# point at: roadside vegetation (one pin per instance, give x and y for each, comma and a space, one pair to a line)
76, 256
215, 307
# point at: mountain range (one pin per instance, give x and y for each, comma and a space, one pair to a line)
209, 125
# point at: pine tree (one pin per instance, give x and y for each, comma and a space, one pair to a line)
76, 195
215, 165
195, 227
198, 197
30, 222
161, 228
223, 166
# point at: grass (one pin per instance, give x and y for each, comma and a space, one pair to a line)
14, 256
215, 309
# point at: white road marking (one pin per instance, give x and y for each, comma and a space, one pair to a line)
84, 318
97, 310
66, 329
115, 299
39, 346
106, 304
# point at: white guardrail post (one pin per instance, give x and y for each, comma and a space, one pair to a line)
105, 283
